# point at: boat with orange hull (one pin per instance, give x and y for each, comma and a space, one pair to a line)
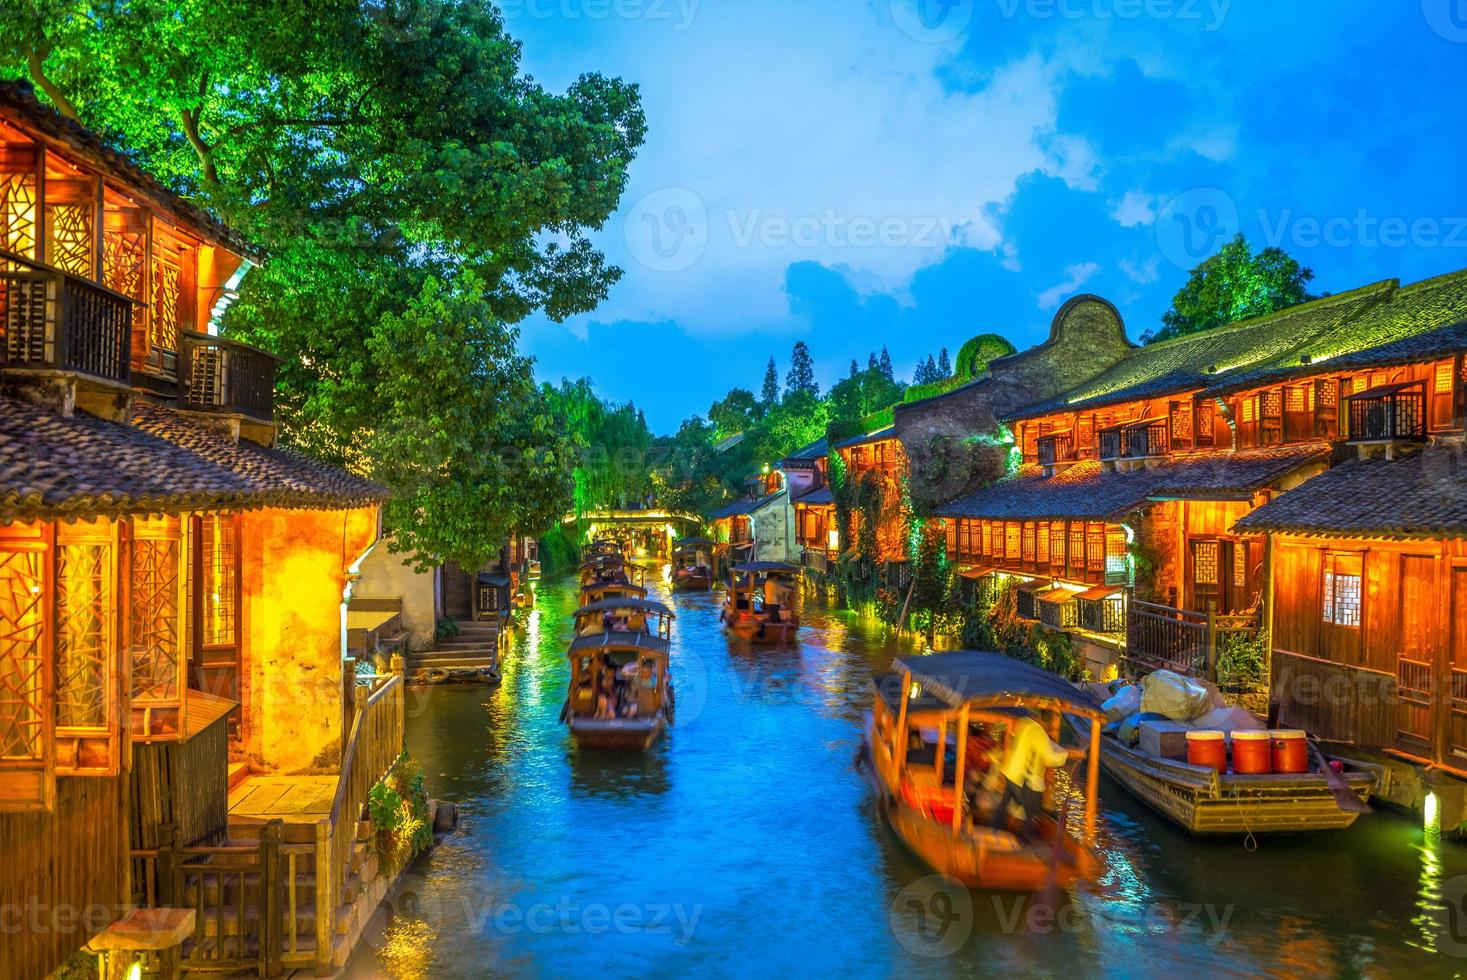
621, 694
970, 701
759, 606
692, 565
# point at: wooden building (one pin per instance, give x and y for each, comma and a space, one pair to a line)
878, 461
817, 537
1138, 480
171, 584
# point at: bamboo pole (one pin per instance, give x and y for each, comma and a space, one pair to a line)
899, 734
940, 763
958, 776
1092, 781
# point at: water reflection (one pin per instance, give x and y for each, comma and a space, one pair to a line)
747, 842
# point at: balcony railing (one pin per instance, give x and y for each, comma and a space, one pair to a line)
1146, 439
1110, 443
1389, 413
1057, 448
1179, 639
53, 320
224, 376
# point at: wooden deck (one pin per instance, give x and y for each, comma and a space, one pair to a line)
294, 799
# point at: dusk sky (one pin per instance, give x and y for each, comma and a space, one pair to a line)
854, 173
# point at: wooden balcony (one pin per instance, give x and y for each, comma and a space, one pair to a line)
1390, 413
228, 377
1179, 639
51, 320
1144, 440
1110, 443
1058, 448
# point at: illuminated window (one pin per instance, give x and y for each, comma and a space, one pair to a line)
1077, 547
1273, 403
1205, 563
1296, 400
1012, 533
1240, 563
1095, 548
1041, 543
1028, 541
1443, 381
219, 580
1057, 544
1341, 592
987, 538
1249, 408
1328, 394
950, 531
1115, 555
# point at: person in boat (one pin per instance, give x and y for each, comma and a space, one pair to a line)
1025, 771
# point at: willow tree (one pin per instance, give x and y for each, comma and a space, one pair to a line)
408, 184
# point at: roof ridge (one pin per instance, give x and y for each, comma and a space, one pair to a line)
1434, 280
1237, 326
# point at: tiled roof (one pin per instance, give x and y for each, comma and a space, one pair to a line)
53, 466
1086, 491
1420, 495
744, 506
18, 102
824, 495
1198, 360
808, 454
887, 433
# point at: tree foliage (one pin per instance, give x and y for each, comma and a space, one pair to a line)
800, 380
1235, 284
610, 445
411, 188
735, 412
769, 392
861, 394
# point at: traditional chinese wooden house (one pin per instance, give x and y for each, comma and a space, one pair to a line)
1139, 477
817, 536
1369, 570
172, 586
878, 458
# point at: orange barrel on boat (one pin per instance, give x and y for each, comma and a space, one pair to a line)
1290, 751
1252, 752
1206, 748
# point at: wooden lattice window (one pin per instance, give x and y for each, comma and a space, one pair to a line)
1206, 570
1442, 378
1028, 544
156, 632
1342, 589
1116, 563
1095, 549
1296, 399
27, 773
950, 534
1273, 404
18, 213
1077, 547
1249, 409
73, 238
220, 587
163, 323
1041, 543
1012, 540
1057, 544
1181, 423
86, 668
987, 538
1329, 393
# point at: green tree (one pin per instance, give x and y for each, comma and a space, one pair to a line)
735, 413
611, 444
944, 366
931, 578
377, 151
769, 393
885, 364
1235, 284
855, 369
861, 394
801, 376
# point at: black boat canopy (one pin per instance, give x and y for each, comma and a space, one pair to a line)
641, 605
618, 640
970, 677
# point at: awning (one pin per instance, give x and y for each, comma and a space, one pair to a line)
1056, 597
1037, 585
1100, 592
985, 679
978, 572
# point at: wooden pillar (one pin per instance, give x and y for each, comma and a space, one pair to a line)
899, 734
1092, 781
959, 777
940, 763
327, 896
272, 898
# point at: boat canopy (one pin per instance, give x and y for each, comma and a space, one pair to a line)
595, 588
760, 567
602, 561
970, 677
618, 640
627, 602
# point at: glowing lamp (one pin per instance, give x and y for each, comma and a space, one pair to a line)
1433, 814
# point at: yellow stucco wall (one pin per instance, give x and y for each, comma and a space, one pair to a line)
294, 568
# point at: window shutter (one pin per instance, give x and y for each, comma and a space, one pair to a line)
156, 629
88, 674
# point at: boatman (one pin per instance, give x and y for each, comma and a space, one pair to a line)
1030, 756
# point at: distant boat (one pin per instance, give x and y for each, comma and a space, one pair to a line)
760, 603
692, 565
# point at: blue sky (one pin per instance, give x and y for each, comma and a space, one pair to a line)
854, 173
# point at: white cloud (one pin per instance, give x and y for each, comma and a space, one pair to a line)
1142, 273
1135, 208
1075, 277
805, 132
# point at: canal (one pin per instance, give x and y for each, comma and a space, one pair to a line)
746, 844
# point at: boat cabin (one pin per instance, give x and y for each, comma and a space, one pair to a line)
611, 569
625, 614
939, 729
760, 606
620, 689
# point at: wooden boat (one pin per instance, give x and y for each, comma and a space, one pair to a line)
759, 606
620, 689
610, 590
625, 614
1203, 801
949, 693
598, 548
692, 565
610, 568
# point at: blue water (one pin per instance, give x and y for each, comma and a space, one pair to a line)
745, 843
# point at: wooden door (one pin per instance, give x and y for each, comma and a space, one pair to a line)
1455, 753
1418, 656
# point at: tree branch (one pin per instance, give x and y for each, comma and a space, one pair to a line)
37, 67
190, 120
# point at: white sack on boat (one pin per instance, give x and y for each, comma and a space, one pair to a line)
1178, 698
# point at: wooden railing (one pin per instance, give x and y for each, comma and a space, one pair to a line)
53, 320
1058, 448
1141, 441
1110, 443
1399, 414
1179, 639
374, 744
224, 376
817, 560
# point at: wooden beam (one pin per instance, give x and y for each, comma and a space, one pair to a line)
961, 771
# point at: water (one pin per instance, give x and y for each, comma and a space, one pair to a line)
746, 843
